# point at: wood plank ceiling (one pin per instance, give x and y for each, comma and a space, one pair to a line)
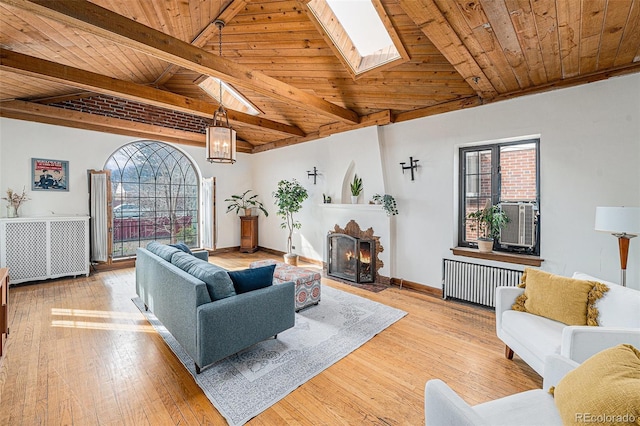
67, 62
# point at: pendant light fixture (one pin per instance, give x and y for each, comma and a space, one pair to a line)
220, 137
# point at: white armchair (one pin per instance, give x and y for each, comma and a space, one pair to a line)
534, 338
444, 407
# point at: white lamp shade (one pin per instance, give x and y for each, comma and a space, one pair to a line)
618, 220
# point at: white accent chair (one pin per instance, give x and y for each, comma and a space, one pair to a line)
534, 337
444, 407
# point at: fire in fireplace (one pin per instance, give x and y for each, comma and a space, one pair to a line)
351, 258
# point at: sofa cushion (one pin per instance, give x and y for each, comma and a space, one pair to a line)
162, 250
182, 246
217, 279
252, 279
619, 306
543, 334
559, 298
605, 387
517, 409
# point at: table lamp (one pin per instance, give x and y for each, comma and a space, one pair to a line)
623, 223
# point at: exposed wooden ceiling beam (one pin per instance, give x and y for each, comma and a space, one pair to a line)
21, 110
30, 111
204, 37
380, 118
438, 109
104, 23
52, 71
428, 17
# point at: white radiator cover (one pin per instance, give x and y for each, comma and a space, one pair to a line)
475, 283
41, 248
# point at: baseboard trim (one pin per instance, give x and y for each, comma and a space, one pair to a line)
420, 288
281, 253
116, 264
224, 250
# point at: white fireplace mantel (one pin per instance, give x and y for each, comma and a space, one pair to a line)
367, 207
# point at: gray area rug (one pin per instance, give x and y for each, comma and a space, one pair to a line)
247, 383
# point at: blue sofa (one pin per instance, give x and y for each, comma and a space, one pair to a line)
196, 302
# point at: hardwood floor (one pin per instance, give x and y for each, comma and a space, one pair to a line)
79, 352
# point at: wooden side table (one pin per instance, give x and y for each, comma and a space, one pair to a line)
248, 234
4, 306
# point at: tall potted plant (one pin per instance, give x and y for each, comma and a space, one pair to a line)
245, 203
356, 189
289, 197
490, 220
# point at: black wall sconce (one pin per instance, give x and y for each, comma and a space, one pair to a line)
413, 165
314, 174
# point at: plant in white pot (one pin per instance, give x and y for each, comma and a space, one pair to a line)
289, 197
490, 220
356, 189
245, 203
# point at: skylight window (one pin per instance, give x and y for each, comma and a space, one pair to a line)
360, 32
362, 23
231, 98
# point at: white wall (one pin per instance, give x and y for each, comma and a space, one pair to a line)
84, 149
337, 159
589, 146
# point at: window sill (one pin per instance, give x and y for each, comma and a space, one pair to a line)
521, 259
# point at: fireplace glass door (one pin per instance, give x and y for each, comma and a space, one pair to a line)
350, 258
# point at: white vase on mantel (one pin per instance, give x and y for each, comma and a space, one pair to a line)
354, 199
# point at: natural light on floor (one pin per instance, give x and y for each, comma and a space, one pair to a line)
95, 325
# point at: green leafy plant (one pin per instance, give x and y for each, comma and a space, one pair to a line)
356, 186
388, 203
244, 201
490, 220
289, 197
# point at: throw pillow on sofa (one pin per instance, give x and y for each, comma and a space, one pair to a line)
182, 246
604, 389
559, 298
252, 279
162, 250
217, 279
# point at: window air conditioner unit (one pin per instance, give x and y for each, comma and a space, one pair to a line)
520, 231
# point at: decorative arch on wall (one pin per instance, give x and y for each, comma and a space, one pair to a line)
346, 183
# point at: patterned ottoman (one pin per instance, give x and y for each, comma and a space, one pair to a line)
307, 281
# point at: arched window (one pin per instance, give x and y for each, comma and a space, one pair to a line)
154, 189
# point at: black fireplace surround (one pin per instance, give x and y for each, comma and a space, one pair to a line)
350, 258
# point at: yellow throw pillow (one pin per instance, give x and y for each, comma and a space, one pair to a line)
605, 389
559, 298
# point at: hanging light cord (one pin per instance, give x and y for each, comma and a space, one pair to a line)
220, 25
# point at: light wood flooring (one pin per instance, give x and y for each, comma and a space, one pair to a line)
79, 352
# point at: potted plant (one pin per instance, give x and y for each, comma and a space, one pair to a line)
356, 189
289, 197
489, 220
15, 200
245, 203
388, 203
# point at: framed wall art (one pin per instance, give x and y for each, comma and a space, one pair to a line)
49, 175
